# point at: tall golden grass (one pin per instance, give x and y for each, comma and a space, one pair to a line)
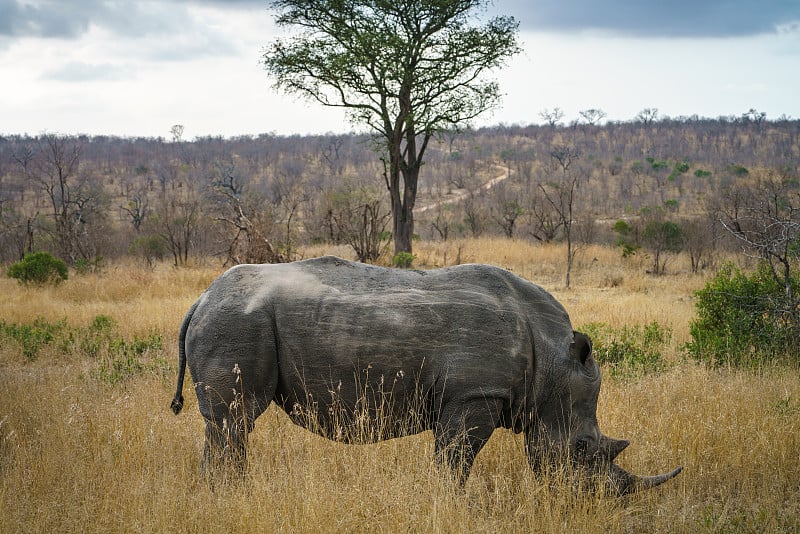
79, 454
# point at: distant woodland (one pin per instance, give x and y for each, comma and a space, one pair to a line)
690, 184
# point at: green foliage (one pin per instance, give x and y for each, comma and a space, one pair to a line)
439, 84
630, 351
125, 359
32, 337
118, 358
738, 170
658, 164
745, 320
626, 238
86, 266
701, 173
681, 167
403, 260
623, 227
39, 268
666, 233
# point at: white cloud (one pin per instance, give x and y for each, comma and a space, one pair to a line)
199, 66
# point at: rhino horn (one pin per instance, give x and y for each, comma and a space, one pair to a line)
624, 483
610, 448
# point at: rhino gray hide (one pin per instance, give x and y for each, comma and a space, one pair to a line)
359, 353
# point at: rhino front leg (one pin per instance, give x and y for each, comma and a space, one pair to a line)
462, 430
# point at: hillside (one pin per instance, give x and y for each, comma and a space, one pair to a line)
259, 198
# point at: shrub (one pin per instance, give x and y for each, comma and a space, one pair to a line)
627, 238
631, 350
85, 266
125, 359
744, 320
151, 247
403, 260
39, 268
31, 338
117, 358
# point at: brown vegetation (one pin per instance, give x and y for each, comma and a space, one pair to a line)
263, 198
79, 453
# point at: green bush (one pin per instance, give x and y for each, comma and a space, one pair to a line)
403, 260
117, 358
627, 238
745, 320
124, 359
39, 268
630, 351
31, 338
151, 247
84, 266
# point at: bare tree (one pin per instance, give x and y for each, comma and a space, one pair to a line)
506, 209
552, 116
247, 217
74, 203
768, 227
561, 195
362, 218
647, 116
443, 220
137, 208
177, 133
473, 214
592, 116
544, 219
699, 238
290, 195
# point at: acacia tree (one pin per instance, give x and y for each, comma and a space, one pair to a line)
407, 69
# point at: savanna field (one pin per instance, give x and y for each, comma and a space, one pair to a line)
88, 442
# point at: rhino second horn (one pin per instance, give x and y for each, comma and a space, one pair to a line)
610, 448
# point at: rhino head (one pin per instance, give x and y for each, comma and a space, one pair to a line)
565, 424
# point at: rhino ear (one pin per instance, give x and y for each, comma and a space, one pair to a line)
581, 347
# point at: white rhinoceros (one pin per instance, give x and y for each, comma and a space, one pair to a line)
359, 353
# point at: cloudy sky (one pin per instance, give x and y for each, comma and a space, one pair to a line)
136, 68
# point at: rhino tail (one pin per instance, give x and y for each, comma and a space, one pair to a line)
177, 401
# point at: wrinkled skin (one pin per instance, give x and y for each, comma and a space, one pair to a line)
359, 354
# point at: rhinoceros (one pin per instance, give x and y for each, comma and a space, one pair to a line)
360, 353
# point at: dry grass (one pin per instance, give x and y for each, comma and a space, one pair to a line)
77, 454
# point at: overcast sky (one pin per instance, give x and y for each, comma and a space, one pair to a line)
137, 68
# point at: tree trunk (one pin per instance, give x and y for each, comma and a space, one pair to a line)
401, 181
403, 229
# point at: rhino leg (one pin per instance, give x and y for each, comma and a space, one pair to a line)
461, 431
230, 416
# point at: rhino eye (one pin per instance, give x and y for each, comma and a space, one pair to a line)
582, 444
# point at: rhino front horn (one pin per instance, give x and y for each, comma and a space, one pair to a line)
624, 483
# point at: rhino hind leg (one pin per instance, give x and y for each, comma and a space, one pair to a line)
230, 416
226, 437
461, 431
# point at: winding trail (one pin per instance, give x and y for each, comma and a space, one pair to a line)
461, 194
